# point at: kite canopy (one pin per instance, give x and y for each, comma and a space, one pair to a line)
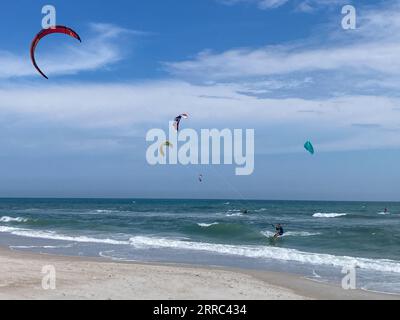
46, 32
178, 120
309, 147
165, 144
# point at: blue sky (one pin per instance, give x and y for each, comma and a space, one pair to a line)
285, 68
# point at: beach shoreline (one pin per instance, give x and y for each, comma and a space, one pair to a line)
102, 279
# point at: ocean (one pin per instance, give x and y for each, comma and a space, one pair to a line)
321, 238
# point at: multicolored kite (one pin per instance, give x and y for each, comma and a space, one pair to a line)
178, 120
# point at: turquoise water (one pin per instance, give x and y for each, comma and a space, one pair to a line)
321, 237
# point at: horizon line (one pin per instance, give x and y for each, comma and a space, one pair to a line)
191, 199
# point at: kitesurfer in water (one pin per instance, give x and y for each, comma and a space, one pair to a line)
279, 231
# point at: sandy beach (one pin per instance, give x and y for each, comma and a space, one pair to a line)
85, 278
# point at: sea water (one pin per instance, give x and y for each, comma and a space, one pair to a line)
321, 238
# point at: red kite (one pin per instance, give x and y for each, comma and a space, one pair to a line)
46, 32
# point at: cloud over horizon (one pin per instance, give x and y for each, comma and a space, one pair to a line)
123, 107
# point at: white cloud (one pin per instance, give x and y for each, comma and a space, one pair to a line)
302, 5
313, 5
262, 4
269, 86
280, 60
122, 107
98, 50
350, 61
268, 4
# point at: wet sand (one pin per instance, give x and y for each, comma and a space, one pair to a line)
99, 279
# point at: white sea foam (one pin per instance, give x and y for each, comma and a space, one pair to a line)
10, 219
234, 213
266, 252
316, 275
261, 210
384, 213
261, 252
269, 234
106, 211
206, 225
302, 234
108, 255
41, 247
51, 235
328, 215
239, 214
104, 254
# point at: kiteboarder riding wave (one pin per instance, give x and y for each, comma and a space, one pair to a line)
279, 231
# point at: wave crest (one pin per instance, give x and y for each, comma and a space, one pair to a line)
267, 252
11, 219
329, 215
207, 225
269, 234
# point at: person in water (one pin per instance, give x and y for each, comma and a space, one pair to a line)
279, 231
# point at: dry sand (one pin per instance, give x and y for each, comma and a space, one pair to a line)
86, 278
